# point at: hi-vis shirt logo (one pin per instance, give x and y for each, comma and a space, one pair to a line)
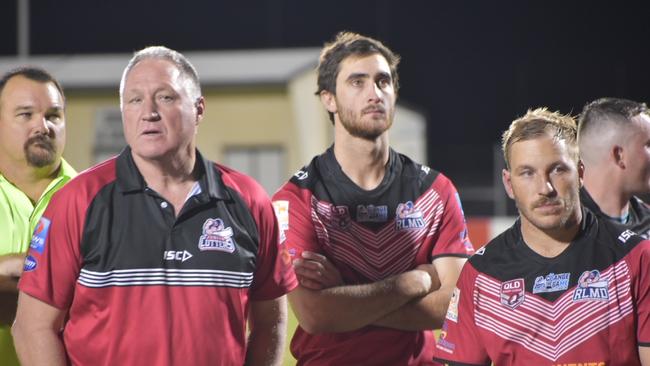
591, 287
551, 282
513, 293
408, 217
40, 235
372, 213
216, 236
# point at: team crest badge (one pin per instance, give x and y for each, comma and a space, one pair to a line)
408, 216
341, 216
216, 236
513, 293
591, 286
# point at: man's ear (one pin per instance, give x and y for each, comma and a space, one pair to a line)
329, 101
200, 109
581, 172
618, 155
507, 183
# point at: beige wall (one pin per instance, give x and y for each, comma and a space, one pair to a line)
240, 117
81, 110
245, 118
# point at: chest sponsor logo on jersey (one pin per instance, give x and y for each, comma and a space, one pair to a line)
513, 293
625, 236
551, 282
408, 217
177, 255
372, 213
591, 286
341, 216
216, 236
30, 263
40, 235
281, 209
452, 310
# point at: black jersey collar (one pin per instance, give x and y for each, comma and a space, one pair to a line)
129, 178
393, 168
588, 228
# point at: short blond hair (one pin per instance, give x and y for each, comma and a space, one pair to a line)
539, 122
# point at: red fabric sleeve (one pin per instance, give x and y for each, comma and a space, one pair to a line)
53, 260
293, 207
274, 275
450, 236
641, 287
459, 339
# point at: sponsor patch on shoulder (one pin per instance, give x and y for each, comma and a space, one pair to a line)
281, 209
30, 264
452, 311
40, 235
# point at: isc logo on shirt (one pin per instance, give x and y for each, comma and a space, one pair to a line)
176, 255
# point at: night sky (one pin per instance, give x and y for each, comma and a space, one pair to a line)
470, 66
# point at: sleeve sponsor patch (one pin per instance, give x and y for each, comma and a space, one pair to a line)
30, 263
282, 213
452, 310
40, 235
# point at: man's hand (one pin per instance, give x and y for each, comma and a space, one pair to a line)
316, 272
11, 265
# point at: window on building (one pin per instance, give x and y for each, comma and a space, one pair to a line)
109, 138
265, 164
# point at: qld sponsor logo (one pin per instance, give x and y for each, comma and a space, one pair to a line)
513, 293
591, 286
30, 263
216, 236
408, 217
40, 235
341, 216
372, 213
551, 282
